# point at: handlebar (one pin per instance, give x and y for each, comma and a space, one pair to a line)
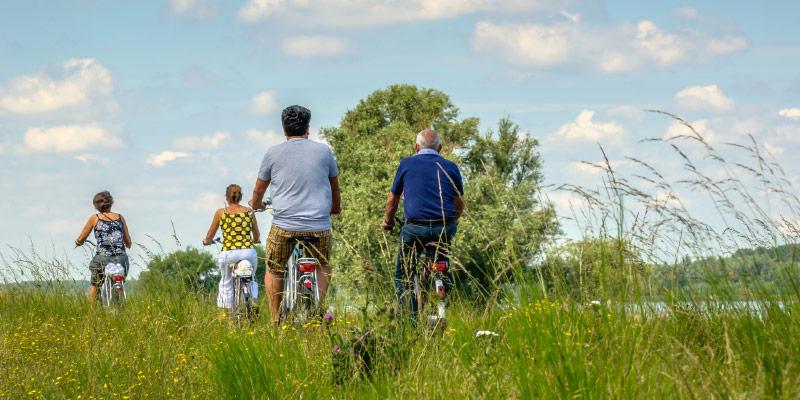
86, 241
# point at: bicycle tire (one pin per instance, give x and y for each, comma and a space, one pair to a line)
118, 296
237, 300
105, 292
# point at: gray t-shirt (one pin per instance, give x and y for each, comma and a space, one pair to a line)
298, 171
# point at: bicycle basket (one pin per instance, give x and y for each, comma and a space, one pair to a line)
242, 269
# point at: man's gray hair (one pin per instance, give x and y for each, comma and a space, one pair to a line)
428, 139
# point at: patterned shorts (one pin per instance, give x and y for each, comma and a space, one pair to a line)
280, 246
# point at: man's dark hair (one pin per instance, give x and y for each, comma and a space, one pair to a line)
295, 120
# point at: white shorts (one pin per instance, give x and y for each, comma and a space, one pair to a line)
224, 259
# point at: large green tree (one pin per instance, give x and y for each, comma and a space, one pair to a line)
504, 224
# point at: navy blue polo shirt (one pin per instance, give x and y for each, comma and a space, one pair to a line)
420, 178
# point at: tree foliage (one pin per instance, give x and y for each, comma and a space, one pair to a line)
504, 224
191, 268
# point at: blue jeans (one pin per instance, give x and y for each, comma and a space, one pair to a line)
435, 241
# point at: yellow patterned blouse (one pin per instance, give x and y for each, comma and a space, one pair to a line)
236, 231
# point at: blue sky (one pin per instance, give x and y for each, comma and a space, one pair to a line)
166, 102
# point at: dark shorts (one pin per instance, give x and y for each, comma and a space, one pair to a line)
98, 267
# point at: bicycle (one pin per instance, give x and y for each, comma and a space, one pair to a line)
242, 273
112, 289
301, 298
429, 281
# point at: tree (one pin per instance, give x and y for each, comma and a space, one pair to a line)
504, 224
193, 269
507, 224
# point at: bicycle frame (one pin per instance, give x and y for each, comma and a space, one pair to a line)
428, 274
112, 290
300, 289
242, 275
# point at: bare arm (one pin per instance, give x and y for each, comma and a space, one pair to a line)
126, 236
459, 207
336, 203
256, 232
392, 202
87, 229
257, 202
213, 229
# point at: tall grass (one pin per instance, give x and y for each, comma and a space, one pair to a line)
550, 343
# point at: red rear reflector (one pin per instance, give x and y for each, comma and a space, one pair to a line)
119, 278
441, 266
307, 267
308, 284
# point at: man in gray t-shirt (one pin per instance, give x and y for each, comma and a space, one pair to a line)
304, 182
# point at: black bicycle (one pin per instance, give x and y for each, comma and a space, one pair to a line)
426, 276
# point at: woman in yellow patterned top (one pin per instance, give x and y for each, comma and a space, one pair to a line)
239, 235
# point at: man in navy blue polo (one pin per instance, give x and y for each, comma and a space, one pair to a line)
432, 190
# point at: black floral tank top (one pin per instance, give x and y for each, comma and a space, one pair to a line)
109, 237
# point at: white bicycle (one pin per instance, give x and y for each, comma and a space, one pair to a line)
243, 274
301, 298
112, 291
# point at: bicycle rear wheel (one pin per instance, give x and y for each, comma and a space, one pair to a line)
118, 294
105, 291
289, 298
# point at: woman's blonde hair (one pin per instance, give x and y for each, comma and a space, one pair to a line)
233, 193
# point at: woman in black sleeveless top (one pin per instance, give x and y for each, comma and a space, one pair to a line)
111, 234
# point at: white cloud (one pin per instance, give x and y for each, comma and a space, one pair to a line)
610, 49
670, 199
527, 44
62, 226
725, 45
255, 10
80, 80
631, 113
208, 202
583, 128
687, 12
774, 149
192, 8
663, 47
201, 142
791, 113
348, 13
161, 159
93, 158
314, 46
264, 102
69, 138
701, 126
584, 168
4, 145
265, 138
703, 98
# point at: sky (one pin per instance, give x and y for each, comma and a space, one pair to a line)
166, 102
